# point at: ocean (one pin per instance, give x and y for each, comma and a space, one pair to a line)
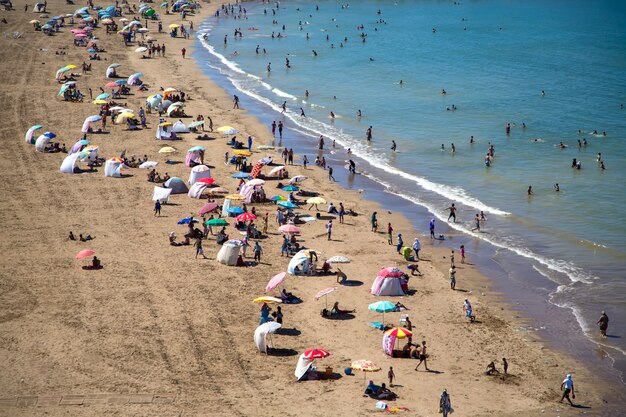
554, 70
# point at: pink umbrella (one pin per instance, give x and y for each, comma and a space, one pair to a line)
112, 84
80, 35
324, 293
207, 208
289, 228
244, 217
390, 272
75, 31
84, 253
275, 282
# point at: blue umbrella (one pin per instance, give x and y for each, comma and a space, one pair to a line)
50, 135
243, 175
290, 188
287, 204
236, 210
103, 96
92, 51
121, 82
187, 220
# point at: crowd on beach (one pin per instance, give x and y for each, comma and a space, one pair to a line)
211, 224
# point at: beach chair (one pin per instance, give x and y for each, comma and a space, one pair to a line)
403, 319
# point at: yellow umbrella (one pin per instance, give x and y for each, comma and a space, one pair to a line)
399, 332
165, 124
235, 197
223, 129
316, 200
174, 26
71, 66
106, 21
167, 149
99, 102
124, 116
267, 299
218, 190
242, 152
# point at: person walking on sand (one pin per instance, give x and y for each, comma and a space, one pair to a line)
603, 322
157, 208
235, 101
265, 221
258, 250
330, 174
422, 353
389, 234
431, 226
445, 406
505, 365
199, 250
374, 221
568, 387
452, 278
391, 375
462, 254
416, 247
183, 52
329, 228
400, 243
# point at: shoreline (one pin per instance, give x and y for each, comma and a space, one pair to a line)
164, 301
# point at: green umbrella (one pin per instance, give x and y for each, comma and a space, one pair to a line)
290, 188
382, 307
216, 222
149, 12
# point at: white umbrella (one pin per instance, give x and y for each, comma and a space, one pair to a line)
297, 179
256, 181
261, 332
276, 169
148, 164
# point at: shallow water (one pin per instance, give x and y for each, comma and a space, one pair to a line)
493, 58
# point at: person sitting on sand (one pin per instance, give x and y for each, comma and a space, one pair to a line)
71, 236
400, 307
326, 268
240, 261
265, 313
385, 393
371, 388
336, 310
95, 262
86, 238
287, 297
491, 369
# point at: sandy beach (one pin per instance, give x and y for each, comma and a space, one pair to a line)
157, 332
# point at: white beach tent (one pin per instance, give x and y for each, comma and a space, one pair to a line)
177, 185
387, 286
113, 168
229, 253
179, 127
161, 194
261, 332
299, 264
198, 172
165, 133
196, 190
69, 163
41, 143
303, 366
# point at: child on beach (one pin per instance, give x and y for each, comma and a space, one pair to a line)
391, 376
462, 254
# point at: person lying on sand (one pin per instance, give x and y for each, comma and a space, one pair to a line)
400, 307
336, 310
86, 238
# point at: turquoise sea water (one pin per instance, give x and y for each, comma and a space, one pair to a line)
493, 58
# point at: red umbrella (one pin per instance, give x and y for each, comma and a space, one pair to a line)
275, 281
206, 180
207, 208
244, 217
315, 353
390, 272
85, 253
289, 228
324, 293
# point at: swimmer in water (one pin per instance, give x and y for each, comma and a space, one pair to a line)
314, 53
543, 93
471, 140
453, 148
306, 93
602, 165
332, 115
599, 157
556, 187
443, 92
302, 112
349, 151
284, 106
358, 114
482, 216
443, 147
269, 67
530, 190
393, 145
401, 82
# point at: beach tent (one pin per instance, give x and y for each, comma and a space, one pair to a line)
41, 143
79, 146
388, 282
261, 332
39, 7
134, 79
113, 167
165, 132
30, 132
303, 366
195, 156
299, 264
161, 194
176, 185
69, 163
229, 252
196, 190
389, 341
179, 127
88, 121
198, 172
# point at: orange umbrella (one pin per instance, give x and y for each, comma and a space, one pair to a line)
85, 253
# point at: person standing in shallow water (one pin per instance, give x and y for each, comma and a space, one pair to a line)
603, 323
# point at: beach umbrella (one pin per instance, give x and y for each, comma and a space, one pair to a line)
235, 210
61, 71
29, 133
135, 23
123, 20
241, 175
114, 66
206, 180
316, 353
338, 260
188, 220
63, 89
84, 253
287, 204
364, 366
195, 124
289, 228
324, 293
103, 96
71, 66
80, 35
111, 84
164, 4
278, 198
399, 332
390, 272
276, 170
143, 30
297, 179
94, 118
227, 130
32, 22
316, 200
123, 117
195, 149
275, 281
256, 181
148, 164
141, 49
208, 207
174, 26
92, 51
267, 299
106, 21
245, 217
99, 102
235, 197
120, 82
170, 90
216, 222
166, 124
265, 147
382, 307
167, 149
50, 135
242, 152
218, 190
290, 188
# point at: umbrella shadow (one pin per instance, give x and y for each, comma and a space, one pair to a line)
352, 283
283, 352
288, 332
344, 316
334, 376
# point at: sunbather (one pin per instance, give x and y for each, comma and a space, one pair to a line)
336, 310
